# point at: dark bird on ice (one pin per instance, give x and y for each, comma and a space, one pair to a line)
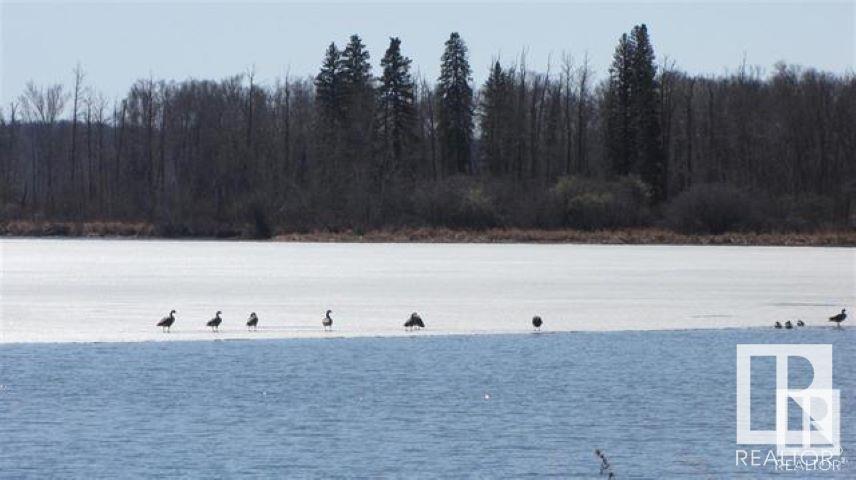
800, 323
414, 322
215, 322
839, 318
778, 324
327, 322
537, 322
253, 322
167, 321
789, 325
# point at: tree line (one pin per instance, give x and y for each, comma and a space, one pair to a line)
355, 148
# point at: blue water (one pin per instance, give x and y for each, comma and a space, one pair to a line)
660, 404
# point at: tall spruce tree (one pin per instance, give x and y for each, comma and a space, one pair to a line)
355, 67
396, 113
620, 134
329, 104
633, 141
455, 112
358, 101
494, 120
645, 95
328, 85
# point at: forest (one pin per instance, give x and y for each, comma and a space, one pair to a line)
359, 148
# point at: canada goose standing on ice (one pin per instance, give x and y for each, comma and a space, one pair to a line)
214, 323
253, 322
167, 321
800, 323
789, 325
537, 322
778, 324
327, 322
414, 322
839, 318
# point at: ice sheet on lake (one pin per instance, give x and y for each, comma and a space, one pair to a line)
60, 290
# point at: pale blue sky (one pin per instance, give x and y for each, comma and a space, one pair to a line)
119, 42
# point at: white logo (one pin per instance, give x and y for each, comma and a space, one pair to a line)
819, 435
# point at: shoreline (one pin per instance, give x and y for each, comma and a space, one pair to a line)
630, 236
390, 335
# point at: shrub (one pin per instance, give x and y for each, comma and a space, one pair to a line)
11, 211
456, 202
591, 204
804, 213
712, 208
261, 224
169, 229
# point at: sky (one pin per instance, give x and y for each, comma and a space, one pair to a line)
117, 43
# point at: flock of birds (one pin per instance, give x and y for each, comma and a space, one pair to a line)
415, 322
835, 318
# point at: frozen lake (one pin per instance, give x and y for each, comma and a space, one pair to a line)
61, 290
660, 404
657, 397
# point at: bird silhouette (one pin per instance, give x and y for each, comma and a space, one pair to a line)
789, 325
800, 323
215, 322
778, 324
327, 322
167, 321
839, 318
253, 322
414, 322
537, 322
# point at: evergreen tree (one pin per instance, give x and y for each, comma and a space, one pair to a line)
646, 114
396, 105
356, 71
358, 102
495, 116
328, 85
633, 141
455, 112
330, 107
620, 135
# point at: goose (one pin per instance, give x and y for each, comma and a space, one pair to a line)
789, 325
214, 323
839, 318
536, 322
800, 323
414, 322
253, 322
327, 322
778, 324
167, 321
